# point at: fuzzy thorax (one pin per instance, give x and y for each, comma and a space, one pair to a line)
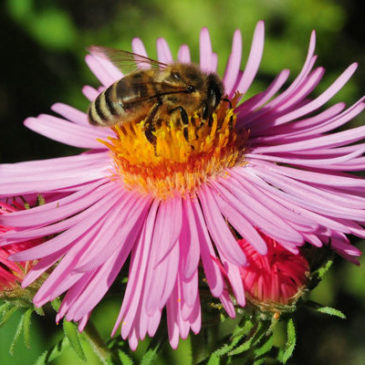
183, 157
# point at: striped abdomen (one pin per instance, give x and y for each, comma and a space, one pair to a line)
125, 100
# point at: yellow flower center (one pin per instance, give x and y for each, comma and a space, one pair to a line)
183, 157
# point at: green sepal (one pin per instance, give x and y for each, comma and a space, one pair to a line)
26, 326
4, 308
324, 269
290, 342
7, 311
16, 335
265, 347
73, 336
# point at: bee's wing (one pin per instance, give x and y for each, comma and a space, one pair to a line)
124, 60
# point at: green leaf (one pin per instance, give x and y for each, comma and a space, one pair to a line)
214, 360
73, 336
4, 308
56, 303
16, 335
237, 336
19, 9
290, 343
332, 312
124, 358
26, 327
53, 352
254, 339
150, 355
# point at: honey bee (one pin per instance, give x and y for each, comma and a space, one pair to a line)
154, 94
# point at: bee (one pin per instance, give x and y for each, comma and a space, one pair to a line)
155, 93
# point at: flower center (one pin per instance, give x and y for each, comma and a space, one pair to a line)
183, 156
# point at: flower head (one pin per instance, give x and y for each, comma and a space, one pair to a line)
274, 280
273, 170
12, 273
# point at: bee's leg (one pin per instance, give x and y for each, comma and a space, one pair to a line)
228, 101
184, 119
183, 114
149, 126
230, 107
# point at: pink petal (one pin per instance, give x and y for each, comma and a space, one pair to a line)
254, 59
322, 99
219, 230
90, 92
189, 243
184, 54
68, 133
103, 69
205, 51
233, 63
70, 113
163, 51
211, 269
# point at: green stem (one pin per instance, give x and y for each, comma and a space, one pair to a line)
97, 343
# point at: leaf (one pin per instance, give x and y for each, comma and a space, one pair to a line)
39, 311
150, 355
53, 352
332, 312
26, 326
290, 343
73, 336
254, 338
214, 360
124, 358
260, 361
56, 303
7, 313
16, 335
237, 336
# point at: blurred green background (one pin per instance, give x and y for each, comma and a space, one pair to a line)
43, 45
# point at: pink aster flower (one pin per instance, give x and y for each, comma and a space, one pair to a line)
269, 164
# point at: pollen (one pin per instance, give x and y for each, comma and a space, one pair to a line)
183, 157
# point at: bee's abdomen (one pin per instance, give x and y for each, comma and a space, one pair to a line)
105, 109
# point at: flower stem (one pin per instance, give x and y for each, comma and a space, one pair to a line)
97, 343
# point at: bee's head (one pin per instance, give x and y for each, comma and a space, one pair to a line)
205, 91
